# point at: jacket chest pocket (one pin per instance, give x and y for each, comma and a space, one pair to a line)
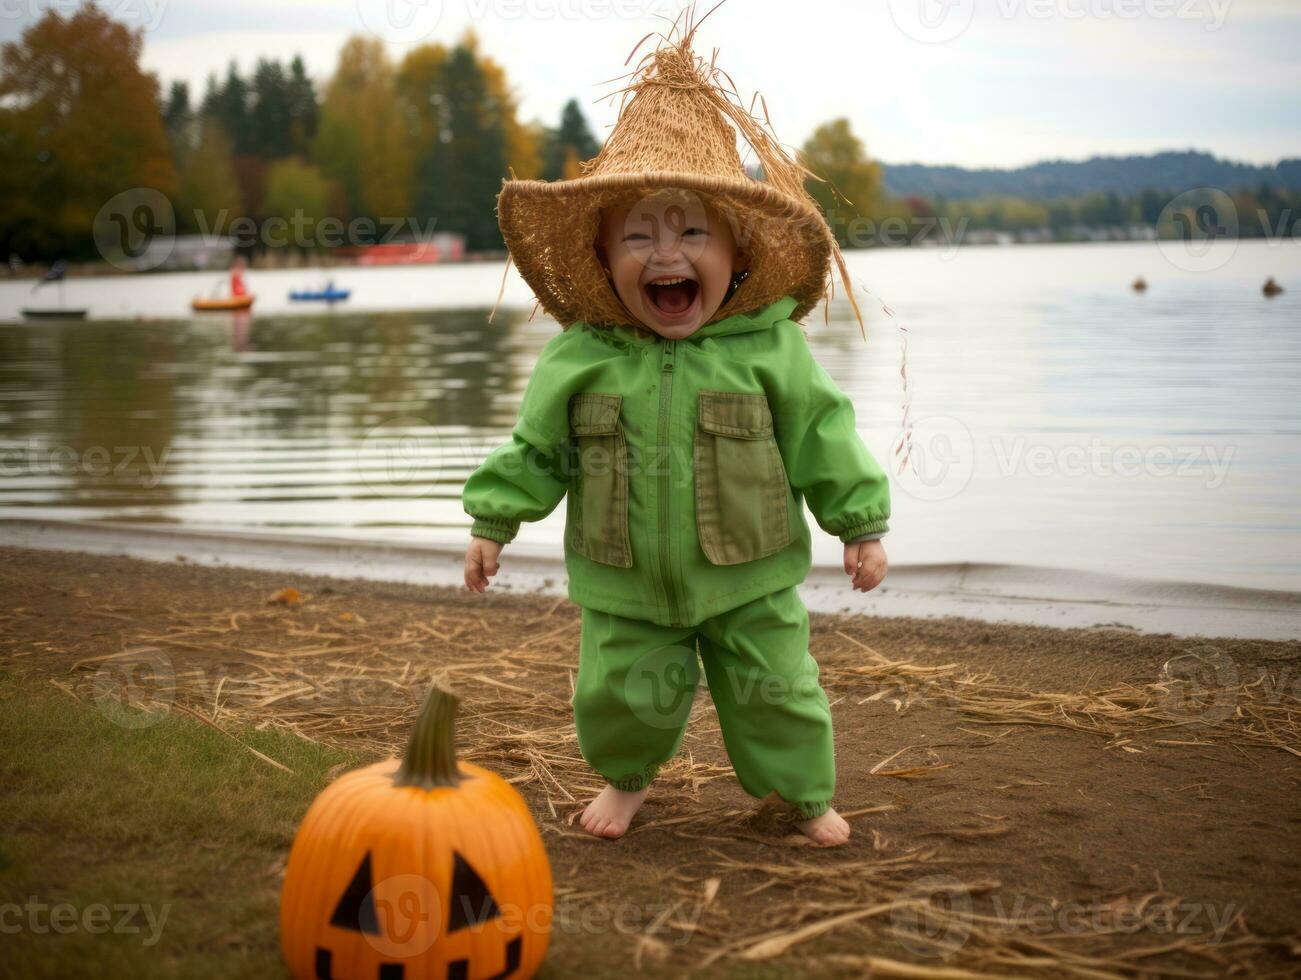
598, 494
741, 484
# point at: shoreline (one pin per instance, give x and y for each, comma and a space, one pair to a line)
324, 262
989, 592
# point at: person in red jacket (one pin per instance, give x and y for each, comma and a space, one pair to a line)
237, 287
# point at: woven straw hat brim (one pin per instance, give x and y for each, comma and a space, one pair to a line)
551, 228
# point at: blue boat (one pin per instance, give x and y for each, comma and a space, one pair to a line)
329, 294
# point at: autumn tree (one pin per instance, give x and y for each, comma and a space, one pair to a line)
419, 87
850, 187
361, 139
523, 152
298, 193
209, 198
80, 122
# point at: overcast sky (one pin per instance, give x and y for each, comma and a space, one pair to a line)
967, 82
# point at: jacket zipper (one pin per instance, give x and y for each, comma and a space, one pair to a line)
666, 476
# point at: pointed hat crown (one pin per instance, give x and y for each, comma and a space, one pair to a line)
677, 128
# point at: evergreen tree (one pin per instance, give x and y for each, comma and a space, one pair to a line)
179, 119
467, 170
229, 104
270, 112
1150, 204
302, 107
462, 119
572, 141
211, 97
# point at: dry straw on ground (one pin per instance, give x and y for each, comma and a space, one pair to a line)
319, 669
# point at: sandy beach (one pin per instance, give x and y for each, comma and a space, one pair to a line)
1026, 801
993, 592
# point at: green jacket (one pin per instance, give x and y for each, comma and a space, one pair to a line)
685, 462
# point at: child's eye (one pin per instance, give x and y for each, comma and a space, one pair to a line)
695, 231
637, 236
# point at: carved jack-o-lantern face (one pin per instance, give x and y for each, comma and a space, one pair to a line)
427, 867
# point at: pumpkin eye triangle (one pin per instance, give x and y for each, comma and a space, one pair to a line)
356, 908
472, 902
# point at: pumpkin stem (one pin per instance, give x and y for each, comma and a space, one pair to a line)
430, 758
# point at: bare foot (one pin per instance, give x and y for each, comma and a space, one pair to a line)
610, 813
828, 830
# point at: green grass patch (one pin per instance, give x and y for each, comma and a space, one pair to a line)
150, 851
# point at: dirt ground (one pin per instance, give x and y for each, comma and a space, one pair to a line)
1025, 801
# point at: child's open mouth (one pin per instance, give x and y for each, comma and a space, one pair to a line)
672, 296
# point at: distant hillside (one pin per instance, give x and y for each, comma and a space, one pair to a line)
1064, 178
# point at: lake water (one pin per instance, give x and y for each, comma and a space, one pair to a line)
1059, 418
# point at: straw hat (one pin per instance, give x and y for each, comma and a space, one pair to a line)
677, 128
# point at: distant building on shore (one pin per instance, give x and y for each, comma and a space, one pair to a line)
182, 253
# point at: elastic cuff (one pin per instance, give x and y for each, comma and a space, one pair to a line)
808, 811
637, 781
863, 527
495, 530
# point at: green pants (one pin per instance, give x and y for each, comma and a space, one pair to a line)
636, 682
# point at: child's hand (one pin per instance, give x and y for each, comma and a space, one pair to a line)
480, 563
866, 562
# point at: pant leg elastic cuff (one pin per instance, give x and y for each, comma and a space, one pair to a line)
808, 811
637, 781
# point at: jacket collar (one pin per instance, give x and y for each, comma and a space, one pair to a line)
760, 319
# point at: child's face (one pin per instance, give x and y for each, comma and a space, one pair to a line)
670, 259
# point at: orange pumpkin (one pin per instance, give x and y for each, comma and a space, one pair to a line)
419, 867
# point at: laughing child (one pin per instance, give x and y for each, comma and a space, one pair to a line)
683, 416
